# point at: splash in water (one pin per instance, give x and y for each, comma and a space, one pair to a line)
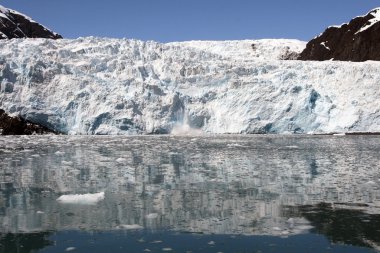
183, 127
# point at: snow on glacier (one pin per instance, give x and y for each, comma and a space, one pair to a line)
121, 86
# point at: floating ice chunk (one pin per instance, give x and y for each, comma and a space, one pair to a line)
40, 212
167, 249
285, 232
236, 145
152, 216
27, 150
70, 249
121, 160
82, 199
291, 147
69, 163
131, 227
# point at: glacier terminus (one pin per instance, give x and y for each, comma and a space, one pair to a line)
123, 86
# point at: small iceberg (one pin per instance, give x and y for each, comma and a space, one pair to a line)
81, 199
130, 227
152, 216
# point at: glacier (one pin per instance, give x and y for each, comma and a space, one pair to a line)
124, 86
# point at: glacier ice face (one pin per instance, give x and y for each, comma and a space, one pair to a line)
120, 86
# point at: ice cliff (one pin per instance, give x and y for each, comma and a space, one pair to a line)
119, 86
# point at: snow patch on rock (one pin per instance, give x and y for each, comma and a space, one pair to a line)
376, 18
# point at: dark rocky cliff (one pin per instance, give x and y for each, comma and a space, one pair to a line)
358, 40
16, 25
18, 126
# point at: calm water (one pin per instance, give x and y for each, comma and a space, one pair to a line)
191, 194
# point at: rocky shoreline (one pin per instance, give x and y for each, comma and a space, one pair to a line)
19, 126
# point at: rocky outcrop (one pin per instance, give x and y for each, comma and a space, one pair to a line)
358, 40
18, 126
16, 25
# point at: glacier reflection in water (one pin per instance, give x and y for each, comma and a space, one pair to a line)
283, 186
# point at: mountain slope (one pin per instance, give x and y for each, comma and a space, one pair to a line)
16, 25
358, 40
113, 86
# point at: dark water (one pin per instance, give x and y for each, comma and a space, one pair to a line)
191, 194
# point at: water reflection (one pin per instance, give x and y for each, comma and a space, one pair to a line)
251, 185
24, 243
342, 223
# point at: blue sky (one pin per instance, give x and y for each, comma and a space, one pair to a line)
179, 20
